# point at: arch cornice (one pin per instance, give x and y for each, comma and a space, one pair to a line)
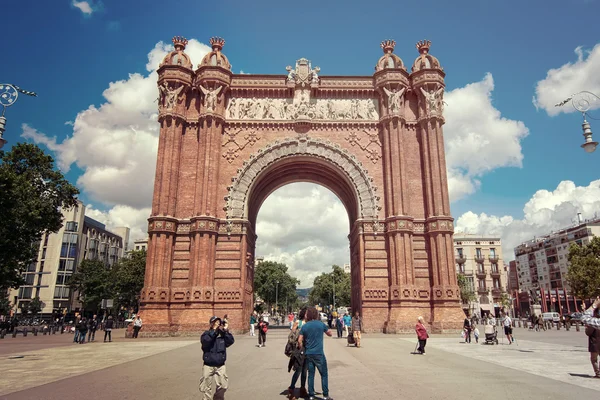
302, 145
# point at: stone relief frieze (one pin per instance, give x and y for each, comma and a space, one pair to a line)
168, 97
210, 97
394, 100
434, 101
233, 146
367, 142
302, 107
302, 145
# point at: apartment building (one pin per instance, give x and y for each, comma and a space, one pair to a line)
140, 244
479, 259
542, 264
80, 238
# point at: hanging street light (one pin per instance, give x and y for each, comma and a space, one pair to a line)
582, 102
8, 96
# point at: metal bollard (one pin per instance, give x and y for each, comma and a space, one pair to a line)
577, 326
14, 334
24, 332
558, 326
2, 333
35, 331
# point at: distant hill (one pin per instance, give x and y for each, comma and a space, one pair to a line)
303, 292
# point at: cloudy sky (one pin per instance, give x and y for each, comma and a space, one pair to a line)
514, 161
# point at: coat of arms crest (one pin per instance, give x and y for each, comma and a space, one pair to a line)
304, 73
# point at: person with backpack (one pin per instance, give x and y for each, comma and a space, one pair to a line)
82, 328
263, 327
339, 326
591, 319
297, 359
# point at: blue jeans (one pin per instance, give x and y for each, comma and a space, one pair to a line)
319, 361
299, 373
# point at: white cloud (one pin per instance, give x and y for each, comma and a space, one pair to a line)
306, 227
86, 7
562, 82
477, 137
135, 219
115, 144
546, 211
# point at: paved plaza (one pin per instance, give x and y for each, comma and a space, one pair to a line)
544, 365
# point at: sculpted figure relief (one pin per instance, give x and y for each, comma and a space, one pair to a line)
302, 106
394, 100
434, 102
168, 97
210, 97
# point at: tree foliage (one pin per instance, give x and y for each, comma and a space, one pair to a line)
31, 194
128, 279
5, 306
467, 294
266, 276
584, 269
92, 280
36, 305
323, 288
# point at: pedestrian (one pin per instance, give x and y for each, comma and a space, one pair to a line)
108, 325
252, 323
137, 325
215, 342
467, 328
422, 335
347, 322
507, 323
297, 358
476, 334
263, 327
92, 326
76, 330
329, 319
311, 340
541, 323
357, 328
339, 326
291, 319
591, 319
82, 328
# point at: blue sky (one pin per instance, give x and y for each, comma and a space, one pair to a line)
69, 52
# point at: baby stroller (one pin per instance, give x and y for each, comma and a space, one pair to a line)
491, 334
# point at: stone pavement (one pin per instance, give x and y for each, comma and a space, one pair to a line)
383, 368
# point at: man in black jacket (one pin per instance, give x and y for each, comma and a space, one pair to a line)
214, 346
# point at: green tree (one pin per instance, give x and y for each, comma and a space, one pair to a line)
93, 282
584, 269
32, 192
323, 288
24, 306
266, 276
5, 306
36, 305
128, 280
467, 294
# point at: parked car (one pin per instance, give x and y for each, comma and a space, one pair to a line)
575, 317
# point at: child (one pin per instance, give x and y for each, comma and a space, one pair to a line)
476, 333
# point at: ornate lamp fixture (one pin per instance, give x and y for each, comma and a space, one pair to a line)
582, 102
8, 96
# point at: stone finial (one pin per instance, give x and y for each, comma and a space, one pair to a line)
423, 46
388, 46
217, 43
179, 42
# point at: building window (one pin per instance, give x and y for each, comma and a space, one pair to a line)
478, 253
480, 268
461, 268
496, 283
29, 279
492, 252
460, 252
481, 283
25, 292
46, 239
61, 292
494, 268
71, 226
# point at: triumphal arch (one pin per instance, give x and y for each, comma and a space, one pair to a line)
227, 141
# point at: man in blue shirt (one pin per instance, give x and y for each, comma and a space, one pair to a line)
311, 338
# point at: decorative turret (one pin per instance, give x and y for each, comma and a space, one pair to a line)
425, 60
216, 58
389, 59
178, 56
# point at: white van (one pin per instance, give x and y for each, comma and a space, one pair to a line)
551, 316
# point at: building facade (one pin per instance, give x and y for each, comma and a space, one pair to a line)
542, 265
479, 259
227, 141
140, 244
80, 238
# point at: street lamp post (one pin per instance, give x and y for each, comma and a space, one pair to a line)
276, 296
333, 277
582, 102
8, 96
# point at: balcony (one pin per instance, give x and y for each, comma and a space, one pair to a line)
482, 290
480, 273
493, 258
479, 258
460, 258
497, 292
495, 273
